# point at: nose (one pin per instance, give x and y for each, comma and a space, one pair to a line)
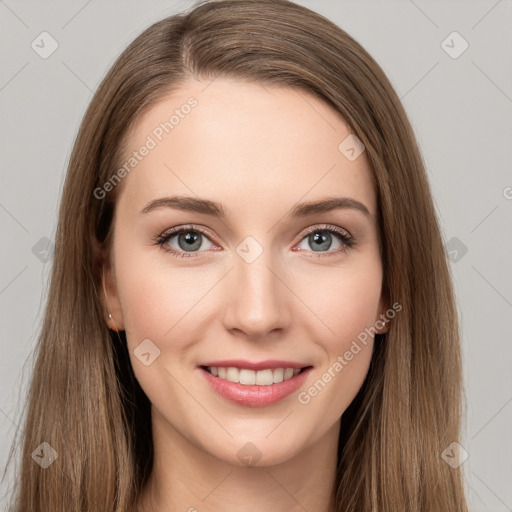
258, 299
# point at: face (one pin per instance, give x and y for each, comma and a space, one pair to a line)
264, 287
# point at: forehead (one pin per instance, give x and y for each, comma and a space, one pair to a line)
245, 145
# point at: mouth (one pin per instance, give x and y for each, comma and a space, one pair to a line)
254, 384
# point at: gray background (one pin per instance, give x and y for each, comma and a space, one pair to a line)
460, 109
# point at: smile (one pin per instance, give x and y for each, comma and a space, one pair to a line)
264, 384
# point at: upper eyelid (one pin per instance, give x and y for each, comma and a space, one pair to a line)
326, 227
195, 227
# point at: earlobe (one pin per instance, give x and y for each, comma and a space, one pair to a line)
382, 325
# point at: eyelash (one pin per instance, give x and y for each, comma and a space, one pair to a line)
346, 240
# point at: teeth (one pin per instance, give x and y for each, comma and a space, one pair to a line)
245, 376
263, 377
278, 375
251, 377
233, 375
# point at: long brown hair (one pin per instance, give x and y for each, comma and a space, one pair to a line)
84, 400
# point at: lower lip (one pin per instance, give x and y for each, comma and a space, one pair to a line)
254, 395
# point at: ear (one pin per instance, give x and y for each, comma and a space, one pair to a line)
382, 321
108, 288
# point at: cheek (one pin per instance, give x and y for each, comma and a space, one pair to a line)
162, 303
347, 352
346, 304
344, 299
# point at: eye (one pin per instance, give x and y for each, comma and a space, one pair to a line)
184, 241
321, 239
188, 239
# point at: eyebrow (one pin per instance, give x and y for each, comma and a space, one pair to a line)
207, 207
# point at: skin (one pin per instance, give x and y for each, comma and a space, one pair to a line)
258, 151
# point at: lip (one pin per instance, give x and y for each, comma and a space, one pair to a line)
255, 395
262, 365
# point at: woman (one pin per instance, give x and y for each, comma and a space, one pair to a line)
250, 305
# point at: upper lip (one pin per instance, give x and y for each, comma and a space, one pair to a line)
261, 365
